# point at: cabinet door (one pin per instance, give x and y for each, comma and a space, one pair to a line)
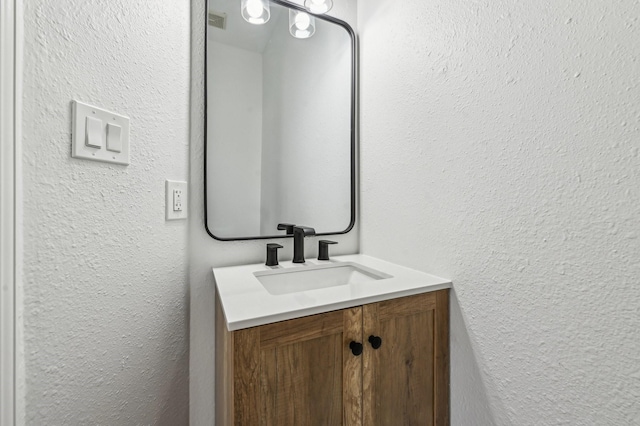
299, 372
406, 380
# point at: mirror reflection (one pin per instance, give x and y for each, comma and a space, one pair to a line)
280, 120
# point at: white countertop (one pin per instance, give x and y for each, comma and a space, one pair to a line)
246, 303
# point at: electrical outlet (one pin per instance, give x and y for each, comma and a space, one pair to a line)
176, 200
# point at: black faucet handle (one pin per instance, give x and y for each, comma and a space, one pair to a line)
286, 227
272, 254
323, 249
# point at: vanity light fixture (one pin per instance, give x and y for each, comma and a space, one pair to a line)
318, 6
301, 24
256, 11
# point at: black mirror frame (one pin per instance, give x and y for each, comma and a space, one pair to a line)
354, 124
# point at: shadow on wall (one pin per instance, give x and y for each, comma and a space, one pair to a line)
175, 406
175, 411
469, 394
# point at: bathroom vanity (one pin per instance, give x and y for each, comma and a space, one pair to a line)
349, 341
367, 343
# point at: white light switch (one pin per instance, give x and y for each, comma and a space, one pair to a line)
93, 135
175, 200
114, 137
92, 126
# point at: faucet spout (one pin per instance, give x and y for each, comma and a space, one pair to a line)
299, 232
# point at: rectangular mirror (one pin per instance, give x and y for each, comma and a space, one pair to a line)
280, 120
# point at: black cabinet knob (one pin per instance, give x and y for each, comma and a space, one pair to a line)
356, 348
375, 341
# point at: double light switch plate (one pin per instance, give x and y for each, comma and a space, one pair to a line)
100, 135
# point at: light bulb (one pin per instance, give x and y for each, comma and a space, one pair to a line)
301, 24
254, 8
318, 6
255, 11
303, 20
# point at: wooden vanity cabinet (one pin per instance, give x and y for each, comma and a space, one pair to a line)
303, 372
406, 380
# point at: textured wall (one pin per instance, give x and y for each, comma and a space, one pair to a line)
105, 280
500, 148
205, 252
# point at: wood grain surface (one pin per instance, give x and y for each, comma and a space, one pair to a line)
301, 372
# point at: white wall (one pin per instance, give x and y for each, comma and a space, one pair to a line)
11, 349
206, 252
105, 277
306, 155
235, 123
500, 148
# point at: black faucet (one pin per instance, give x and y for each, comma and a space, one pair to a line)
272, 254
288, 227
299, 232
323, 249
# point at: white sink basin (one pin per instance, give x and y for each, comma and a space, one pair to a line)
305, 278
255, 294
